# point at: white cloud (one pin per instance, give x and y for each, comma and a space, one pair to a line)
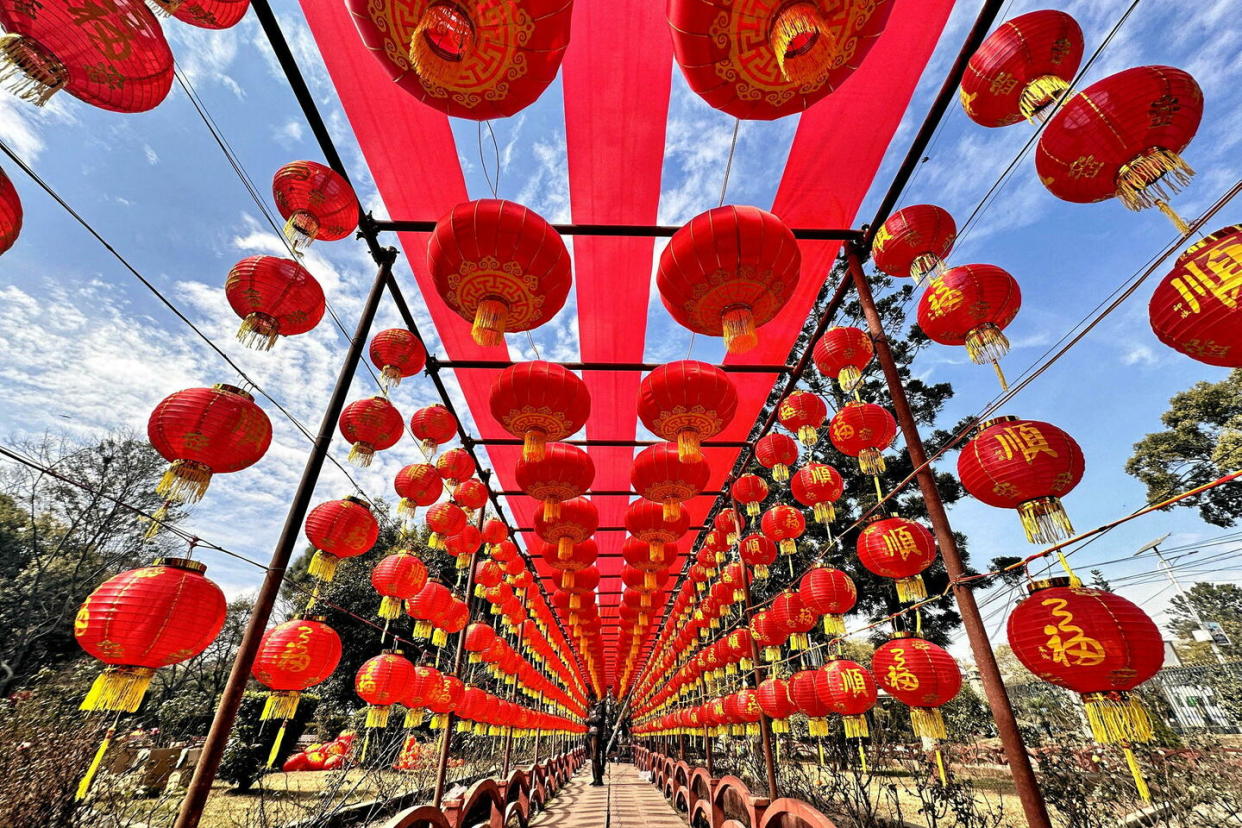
152, 157
1138, 354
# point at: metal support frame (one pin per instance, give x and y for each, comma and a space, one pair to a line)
989, 673
435, 364
627, 230
230, 700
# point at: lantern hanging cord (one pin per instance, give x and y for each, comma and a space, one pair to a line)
724, 185
47, 188
195, 541
494, 186
248, 184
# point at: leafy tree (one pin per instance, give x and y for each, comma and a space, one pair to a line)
1221, 603
1202, 441
1099, 581
876, 596
59, 540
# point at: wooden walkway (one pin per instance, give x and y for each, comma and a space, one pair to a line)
633, 802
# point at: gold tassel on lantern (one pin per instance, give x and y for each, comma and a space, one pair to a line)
533, 442
259, 331
688, 446
156, 522
780, 473
439, 637
323, 566
807, 435
390, 377
84, 786
672, 510
738, 325
564, 548
752, 508
1116, 717
361, 454
407, 508
911, 589
1152, 177
490, 316
441, 40
817, 727
794, 22
824, 512
274, 753
300, 229
925, 264
761, 572
119, 689
834, 624
390, 607
377, 716
422, 629
29, 71
280, 704
848, 378
414, 717
1045, 520
856, 727
928, 723
551, 509
185, 481
871, 461
1038, 94
986, 343
655, 549
788, 546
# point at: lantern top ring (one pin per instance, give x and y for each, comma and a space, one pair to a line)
306, 616
232, 389
1049, 583
356, 499
983, 425
902, 634
187, 564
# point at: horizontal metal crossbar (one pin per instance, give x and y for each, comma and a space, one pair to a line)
630, 230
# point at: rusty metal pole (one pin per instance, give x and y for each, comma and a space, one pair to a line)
985, 661
196, 794
707, 753
459, 659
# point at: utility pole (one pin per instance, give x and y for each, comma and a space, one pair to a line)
1167, 568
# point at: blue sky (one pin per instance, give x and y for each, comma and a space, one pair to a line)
87, 348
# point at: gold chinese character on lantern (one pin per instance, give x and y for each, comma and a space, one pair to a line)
1223, 280
941, 298
852, 682
900, 542
1025, 439
899, 674
1067, 643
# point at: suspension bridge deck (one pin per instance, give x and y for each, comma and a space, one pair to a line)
626, 801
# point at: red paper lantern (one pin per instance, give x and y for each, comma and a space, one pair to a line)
206, 431
577, 584
398, 578
847, 688
455, 465
828, 592
900, 549
577, 521
470, 494
113, 56
469, 59
1195, 308
339, 529
418, 484
921, 675
660, 475
784, 525
804, 692
564, 472
206, 14
499, 266
648, 522
793, 617
1026, 465
777, 452
370, 425
749, 490
729, 271
539, 401
428, 606
842, 354
768, 634
581, 555
971, 305
730, 523
444, 519
1122, 136
293, 657
10, 213
863, 430
433, 426
644, 581
398, 354
818, 485
1022, 68
766, 60
463, 544
758, 553
144, 619
479, 639
495, 532
803, 413
687, 401
424, 690
316, 203
1094, 643
914, 241
274, 297
381, 682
